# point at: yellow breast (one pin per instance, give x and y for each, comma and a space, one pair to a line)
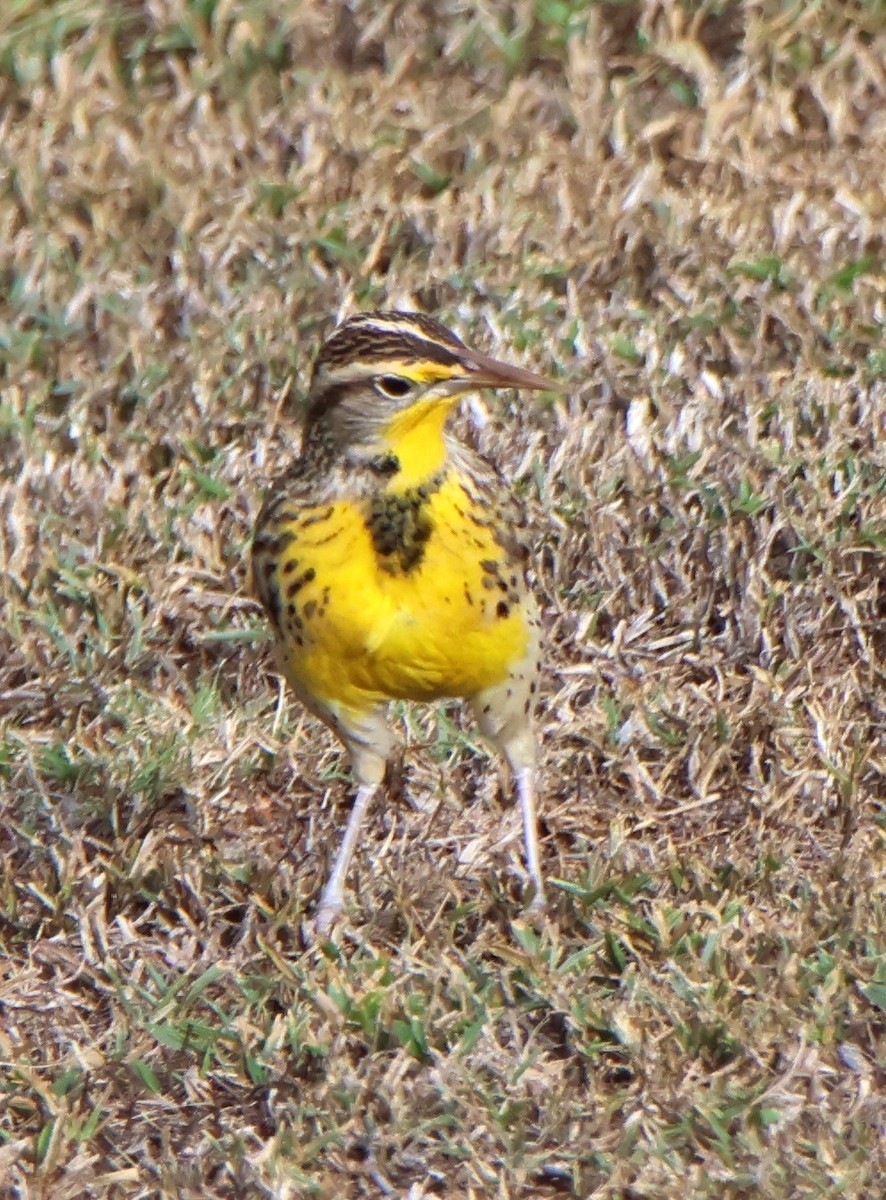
359, 627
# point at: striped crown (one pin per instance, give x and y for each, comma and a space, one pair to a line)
374, 338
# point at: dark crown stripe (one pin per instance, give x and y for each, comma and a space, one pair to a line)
375, 337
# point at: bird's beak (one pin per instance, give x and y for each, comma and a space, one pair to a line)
481, 371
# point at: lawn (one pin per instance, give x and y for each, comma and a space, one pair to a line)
678, 210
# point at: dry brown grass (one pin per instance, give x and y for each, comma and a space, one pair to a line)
678, 206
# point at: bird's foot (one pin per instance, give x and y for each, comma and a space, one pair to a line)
325, 916
536, 910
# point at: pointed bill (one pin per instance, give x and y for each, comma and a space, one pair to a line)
482, 371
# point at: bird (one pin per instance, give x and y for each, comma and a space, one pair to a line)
393, 561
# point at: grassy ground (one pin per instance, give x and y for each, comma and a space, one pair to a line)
677, 207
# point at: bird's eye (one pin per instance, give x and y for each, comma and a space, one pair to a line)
394, 386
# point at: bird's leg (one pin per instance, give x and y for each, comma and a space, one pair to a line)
526, 792
504, 716
334, 893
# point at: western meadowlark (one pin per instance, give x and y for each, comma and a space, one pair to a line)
392, 560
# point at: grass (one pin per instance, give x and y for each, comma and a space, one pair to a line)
678, 210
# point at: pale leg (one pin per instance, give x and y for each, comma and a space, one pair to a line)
526, 793
504, 716
333, 897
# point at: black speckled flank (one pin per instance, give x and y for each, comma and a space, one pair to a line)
499, 576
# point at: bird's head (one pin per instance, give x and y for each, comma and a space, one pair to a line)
385, 382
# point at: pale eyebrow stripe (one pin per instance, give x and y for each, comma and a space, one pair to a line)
357, 371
